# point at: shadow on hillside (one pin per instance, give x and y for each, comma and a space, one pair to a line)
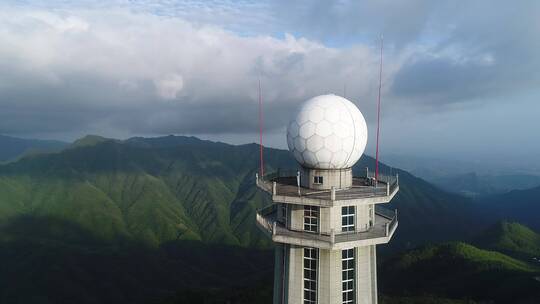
49, 260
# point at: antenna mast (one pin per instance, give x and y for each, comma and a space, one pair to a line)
260, 131
378, 115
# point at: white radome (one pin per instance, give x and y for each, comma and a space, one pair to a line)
328, 132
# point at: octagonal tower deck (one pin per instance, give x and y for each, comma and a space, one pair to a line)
284, 189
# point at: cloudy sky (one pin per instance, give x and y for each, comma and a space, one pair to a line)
460, 78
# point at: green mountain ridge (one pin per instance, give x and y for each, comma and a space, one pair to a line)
90, 140
182, 188
117, 189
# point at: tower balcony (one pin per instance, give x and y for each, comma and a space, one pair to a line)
284, 188
381, 232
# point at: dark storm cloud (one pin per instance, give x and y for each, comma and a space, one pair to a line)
235, 117
443, 81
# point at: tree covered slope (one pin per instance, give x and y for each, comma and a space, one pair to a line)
459, 270
522, 206
169, 188
513, 239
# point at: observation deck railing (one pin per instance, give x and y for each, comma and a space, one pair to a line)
285, 183
385, 223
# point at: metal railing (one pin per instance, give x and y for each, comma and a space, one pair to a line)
385, 212
266, 219
283, 182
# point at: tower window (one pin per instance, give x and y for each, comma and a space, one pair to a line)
283, 212
311, 218
347, 276
347, 218
311, 257
318, 180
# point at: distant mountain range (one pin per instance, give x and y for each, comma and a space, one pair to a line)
469, 179
517, 205
12, 147
474, 185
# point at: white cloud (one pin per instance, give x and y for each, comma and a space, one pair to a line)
169, 86
130, 61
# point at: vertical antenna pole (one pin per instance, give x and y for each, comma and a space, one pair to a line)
378, 115
260, 131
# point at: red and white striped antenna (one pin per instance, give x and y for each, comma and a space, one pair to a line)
261, 131
379, 115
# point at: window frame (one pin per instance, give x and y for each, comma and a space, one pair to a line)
311, 218
348, 276
310, 279
348, 218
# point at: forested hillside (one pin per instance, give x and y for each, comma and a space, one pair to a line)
182, 188
171, 220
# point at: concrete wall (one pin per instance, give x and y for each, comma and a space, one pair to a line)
329, 276
295, 293
338, 178
362, 217
280, 273
364, 276
296, 217
373, 250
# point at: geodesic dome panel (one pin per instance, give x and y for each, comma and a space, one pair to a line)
327, 132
